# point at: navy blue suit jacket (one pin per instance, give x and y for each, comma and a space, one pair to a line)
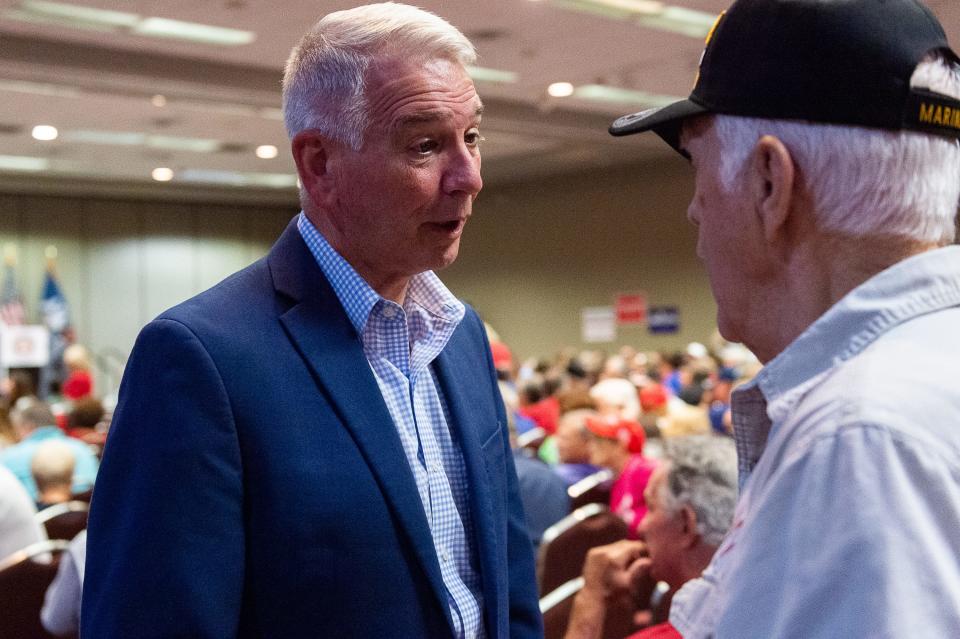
254, 485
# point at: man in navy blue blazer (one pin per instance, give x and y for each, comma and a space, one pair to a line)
316, 447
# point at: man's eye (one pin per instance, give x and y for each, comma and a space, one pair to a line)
425, 147
473, 138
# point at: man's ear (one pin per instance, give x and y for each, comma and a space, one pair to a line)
773, 177
689, 533
313, 151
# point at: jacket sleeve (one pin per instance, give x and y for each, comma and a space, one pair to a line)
165, 555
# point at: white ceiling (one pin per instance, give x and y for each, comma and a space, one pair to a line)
105, 81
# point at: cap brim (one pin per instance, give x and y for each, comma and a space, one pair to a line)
664, 121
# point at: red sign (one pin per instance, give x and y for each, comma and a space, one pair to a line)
631, 308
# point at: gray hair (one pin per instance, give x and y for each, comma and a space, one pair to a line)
325, 78
701, 472
31, 412
865, 181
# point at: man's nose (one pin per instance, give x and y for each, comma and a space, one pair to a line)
463, 172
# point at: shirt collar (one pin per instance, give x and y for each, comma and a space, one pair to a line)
918, 285
425, 291
43, 432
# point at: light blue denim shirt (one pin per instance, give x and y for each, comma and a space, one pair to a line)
848, 523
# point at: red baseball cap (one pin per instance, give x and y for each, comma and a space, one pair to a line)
502, 357
625, 431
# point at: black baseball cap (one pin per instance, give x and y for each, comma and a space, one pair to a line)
828, 61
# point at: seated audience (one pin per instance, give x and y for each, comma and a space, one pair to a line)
616, 396
685, 418
573, 450
574, 392
617, 444
542, 492
86, 422
18, 526
538, 403
79, 382
691, 498
7, 435
502, 361
60, 614
34, 424
52, 469
720, 399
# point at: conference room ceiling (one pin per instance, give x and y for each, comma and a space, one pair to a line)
135, 86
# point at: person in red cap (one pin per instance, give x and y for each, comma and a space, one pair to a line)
617, 444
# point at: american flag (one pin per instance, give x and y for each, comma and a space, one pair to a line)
11, 304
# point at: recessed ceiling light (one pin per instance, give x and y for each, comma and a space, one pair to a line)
560, 89
158, 101
162, 174
44, 132
266, 152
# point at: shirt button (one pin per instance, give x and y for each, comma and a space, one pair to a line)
445, 556
389, 311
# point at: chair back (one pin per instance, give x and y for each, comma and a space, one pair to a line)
24, 578
532, 440
566, 543
64, 521
83, 496
592, 489
557, 605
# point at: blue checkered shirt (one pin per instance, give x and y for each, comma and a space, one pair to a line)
400, 342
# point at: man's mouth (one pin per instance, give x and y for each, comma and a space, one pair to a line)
453, 226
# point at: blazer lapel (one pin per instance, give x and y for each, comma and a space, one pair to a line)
456, 369
318, 326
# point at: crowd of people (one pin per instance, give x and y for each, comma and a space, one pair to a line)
49, 456
659, 424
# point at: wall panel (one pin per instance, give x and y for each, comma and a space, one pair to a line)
532, 256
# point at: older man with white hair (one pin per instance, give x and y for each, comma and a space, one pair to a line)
316, 447
824, 140
691, 497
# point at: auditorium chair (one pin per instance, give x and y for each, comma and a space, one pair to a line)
64, 521
83, 496
592, 489
557, 605
532, 440
24, 578
566, 543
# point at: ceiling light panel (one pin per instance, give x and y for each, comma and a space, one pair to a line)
498, 76
79, 17
617, 95
75, 14
651, 14
193, 32
23, 163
